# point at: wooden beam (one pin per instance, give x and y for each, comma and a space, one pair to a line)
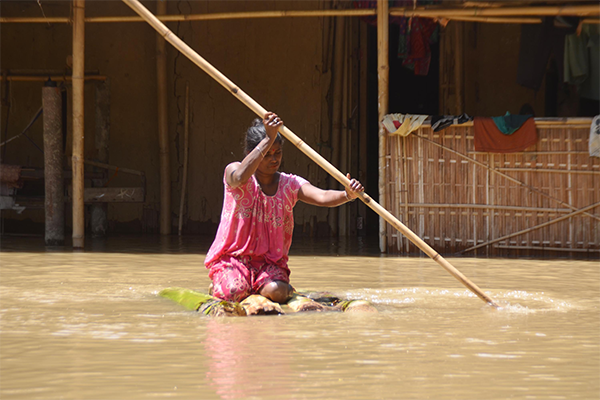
78, 122
479, 14
186, 145
364, 12
54, 204
99, 212
383, 73
112, 194
55, 78
458, 67
163, 128
578, 10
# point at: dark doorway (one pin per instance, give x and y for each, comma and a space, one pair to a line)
409, 94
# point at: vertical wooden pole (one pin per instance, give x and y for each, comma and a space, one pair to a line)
54, 203
353, 117
99, 211
458, 67
343, 213
443, 89
383, 73
186, 135
338, 104
78, 122
362, 140
163, 128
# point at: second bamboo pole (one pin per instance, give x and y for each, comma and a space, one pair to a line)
78, 123
186, 136
163, 128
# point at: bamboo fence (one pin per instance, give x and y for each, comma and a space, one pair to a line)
538, 202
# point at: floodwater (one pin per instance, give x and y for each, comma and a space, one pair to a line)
90, 325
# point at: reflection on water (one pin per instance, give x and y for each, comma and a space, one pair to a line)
90, 325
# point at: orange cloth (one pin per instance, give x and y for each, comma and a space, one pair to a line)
490, 139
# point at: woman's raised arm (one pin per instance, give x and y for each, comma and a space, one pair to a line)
238, 173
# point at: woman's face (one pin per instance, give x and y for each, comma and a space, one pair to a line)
272, 160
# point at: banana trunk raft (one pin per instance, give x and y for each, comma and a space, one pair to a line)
259, 305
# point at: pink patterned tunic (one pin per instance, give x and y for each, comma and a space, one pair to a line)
254, 237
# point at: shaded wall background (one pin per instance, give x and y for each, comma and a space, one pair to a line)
285, 64
276, 61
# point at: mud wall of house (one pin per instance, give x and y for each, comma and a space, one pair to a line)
276, 61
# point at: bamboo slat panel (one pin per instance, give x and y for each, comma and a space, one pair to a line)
453, 202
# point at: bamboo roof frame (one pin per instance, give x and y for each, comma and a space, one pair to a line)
516, 15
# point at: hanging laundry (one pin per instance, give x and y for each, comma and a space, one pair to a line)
416, 34
490, 139
509, 123
439, 122
594, 144
582, 61
414, 45
403, 124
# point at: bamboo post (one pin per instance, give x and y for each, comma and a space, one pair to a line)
551, 10
362, 136
458, 67
163, 128
383, 73
336, 116
186, 135
343, 214
289, 135
99, 211
78, 122
54, 203
479, 14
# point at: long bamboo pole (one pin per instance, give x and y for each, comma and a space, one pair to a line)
458, 67
78, 122
541, 248
497, 20
517, 209
479, 14
313, 155
163, 128
383, 73
186, 136
55, 78
363, 12
579, 10
54, 203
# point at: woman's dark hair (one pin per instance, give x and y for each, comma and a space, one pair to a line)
255, 133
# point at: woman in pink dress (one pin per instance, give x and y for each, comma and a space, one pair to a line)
250, 252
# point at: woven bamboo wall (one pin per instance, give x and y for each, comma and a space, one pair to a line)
455, 198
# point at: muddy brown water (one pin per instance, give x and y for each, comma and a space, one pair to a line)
89, 325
